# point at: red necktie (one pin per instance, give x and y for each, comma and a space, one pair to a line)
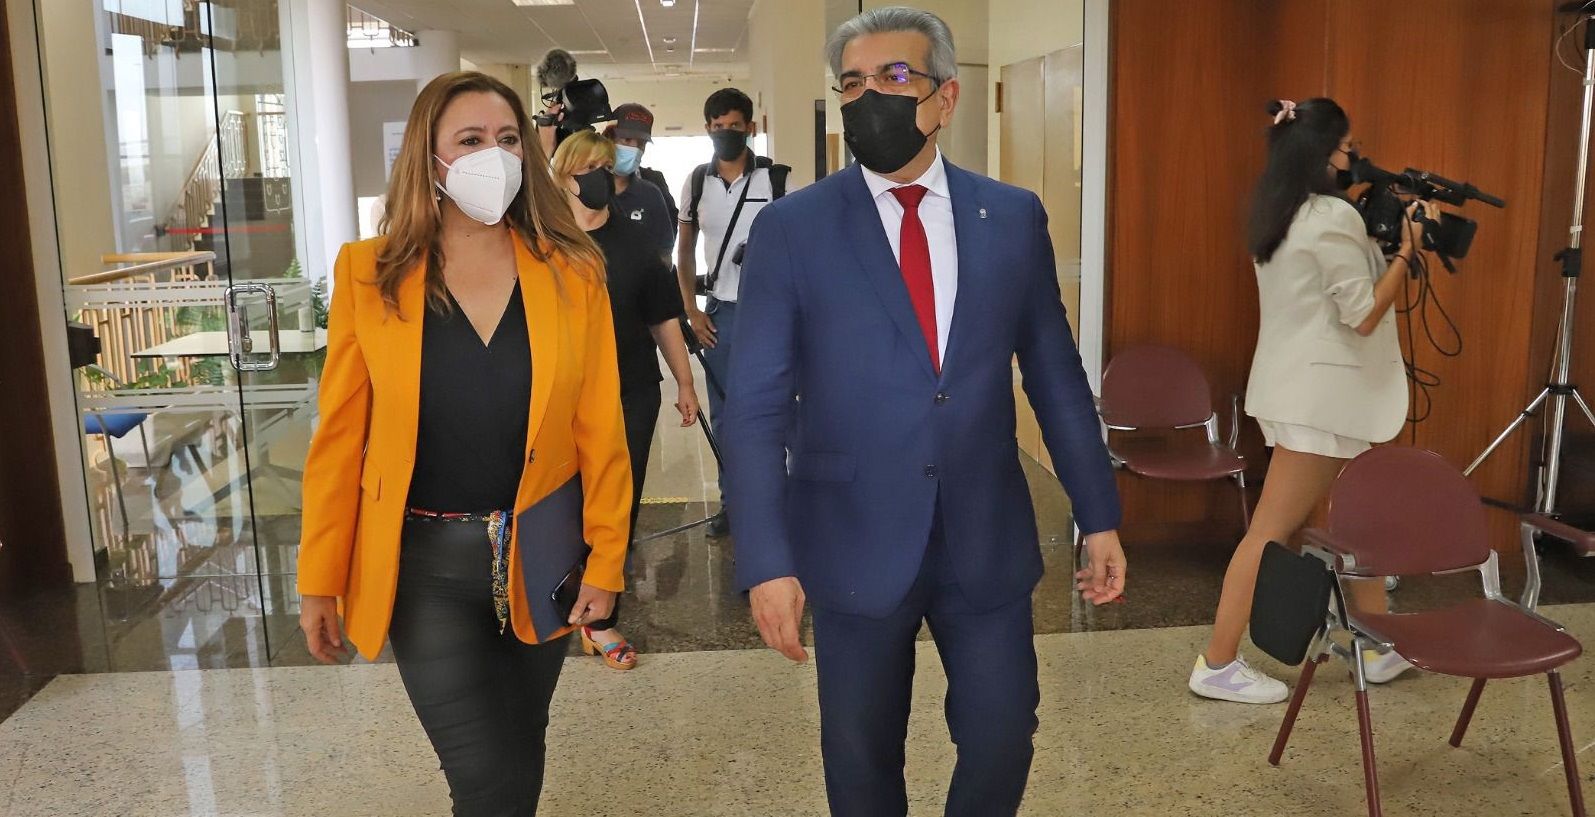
914, 257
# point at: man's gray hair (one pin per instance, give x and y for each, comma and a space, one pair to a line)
943, 61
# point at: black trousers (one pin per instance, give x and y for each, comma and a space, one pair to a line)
482, 697
641, 409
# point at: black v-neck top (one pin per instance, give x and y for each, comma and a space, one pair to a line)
470, 444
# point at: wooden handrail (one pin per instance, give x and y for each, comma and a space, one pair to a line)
143, 264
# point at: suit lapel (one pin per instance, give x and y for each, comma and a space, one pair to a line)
869, 241
404, 351
972, 233
542, 301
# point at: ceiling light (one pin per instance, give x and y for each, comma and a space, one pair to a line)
596, 52
669, 4
714, 51
670, 40
544, 2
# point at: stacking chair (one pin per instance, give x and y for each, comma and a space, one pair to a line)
1403, 511
1156, 388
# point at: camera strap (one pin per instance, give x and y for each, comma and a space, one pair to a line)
714, 274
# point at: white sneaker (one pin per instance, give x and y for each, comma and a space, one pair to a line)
1382, 668
1236, 681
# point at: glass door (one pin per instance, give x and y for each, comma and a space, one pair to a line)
202, 340
280, 338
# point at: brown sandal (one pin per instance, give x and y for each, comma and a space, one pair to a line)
617, 655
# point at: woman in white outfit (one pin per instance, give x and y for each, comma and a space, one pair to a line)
1327, 380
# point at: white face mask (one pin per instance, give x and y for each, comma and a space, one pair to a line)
483, 183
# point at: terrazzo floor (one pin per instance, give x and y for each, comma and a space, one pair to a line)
735, 732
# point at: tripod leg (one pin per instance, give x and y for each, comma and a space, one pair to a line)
1585, 406
1516, 424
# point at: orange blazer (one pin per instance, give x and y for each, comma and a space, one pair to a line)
357, 477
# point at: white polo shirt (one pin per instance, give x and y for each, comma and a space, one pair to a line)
714, 217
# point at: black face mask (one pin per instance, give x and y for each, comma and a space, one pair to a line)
882, 131
595, 188
729, 144
1345, 179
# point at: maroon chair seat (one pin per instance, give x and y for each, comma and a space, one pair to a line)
1186, 462
1479, 638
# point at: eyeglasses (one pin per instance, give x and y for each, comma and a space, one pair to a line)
897, 75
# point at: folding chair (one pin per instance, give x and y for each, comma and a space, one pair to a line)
1149, 388
1403, 511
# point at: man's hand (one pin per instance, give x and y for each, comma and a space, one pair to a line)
1102, 580
703, 327
778, 610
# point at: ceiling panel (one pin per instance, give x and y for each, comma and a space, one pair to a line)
497, 31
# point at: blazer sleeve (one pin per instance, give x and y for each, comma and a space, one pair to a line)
599, 429
760, 404
1055, 382
337, 451
1344, 263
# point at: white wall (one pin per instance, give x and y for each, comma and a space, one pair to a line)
371, 105
785, 41
67, 436
676, 102
78, 102
1021, 30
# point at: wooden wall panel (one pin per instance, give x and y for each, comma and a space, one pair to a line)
32, 541
1469, 102
1189, 84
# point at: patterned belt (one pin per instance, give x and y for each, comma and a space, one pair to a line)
498, 539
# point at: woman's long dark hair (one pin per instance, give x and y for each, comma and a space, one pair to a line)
1298, 157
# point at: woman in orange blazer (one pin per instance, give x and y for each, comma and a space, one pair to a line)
470, 374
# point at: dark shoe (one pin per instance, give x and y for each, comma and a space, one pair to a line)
719, 526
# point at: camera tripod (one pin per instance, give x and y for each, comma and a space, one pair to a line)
695, 348
1559, 390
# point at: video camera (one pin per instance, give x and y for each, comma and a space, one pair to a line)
582, 102
1450, 236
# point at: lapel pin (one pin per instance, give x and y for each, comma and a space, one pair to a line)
982, 212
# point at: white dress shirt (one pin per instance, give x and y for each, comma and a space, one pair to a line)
936, 213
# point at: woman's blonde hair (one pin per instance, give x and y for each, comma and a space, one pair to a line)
581, 149
413, 221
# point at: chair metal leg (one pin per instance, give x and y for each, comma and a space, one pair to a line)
1300, 694
1564, 733
1246, 510
1467, 712
1370, 767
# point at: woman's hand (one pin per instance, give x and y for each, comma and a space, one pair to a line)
687, 404
318, 618
1412, 231
592, 604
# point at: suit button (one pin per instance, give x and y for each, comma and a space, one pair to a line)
941, 399
930, 471
531, 457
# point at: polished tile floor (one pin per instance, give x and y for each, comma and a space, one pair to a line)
187, 691
734, 732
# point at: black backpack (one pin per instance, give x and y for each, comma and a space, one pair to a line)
778, 174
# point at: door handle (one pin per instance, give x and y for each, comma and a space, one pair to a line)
240, 344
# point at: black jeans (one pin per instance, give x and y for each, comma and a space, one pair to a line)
482, 697
641, 409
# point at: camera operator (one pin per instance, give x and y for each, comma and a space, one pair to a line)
1327, 380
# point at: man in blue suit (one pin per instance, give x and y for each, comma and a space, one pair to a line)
870, 431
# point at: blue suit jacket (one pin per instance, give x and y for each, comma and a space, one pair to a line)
838, 432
